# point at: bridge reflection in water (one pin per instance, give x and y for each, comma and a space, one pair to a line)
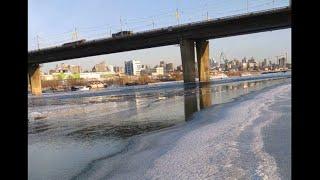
193, 95
148, 111
201, 96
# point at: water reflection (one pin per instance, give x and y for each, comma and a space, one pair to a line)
205, 96
198, 97
130, 113
190, 101
137, 102
193, 95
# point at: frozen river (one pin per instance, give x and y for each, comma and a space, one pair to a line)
229, 129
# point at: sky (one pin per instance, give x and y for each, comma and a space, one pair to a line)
56, 21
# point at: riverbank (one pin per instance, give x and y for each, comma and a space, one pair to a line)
168, 83
62, 86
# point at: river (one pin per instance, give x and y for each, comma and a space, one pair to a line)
239, 128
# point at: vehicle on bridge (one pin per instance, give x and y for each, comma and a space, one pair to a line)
122, 33
74, 43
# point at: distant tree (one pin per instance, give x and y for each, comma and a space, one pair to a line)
61, 76
144, 79
76, 76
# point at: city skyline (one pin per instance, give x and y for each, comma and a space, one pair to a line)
134, 67
44, 20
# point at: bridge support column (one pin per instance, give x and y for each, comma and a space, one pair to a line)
35, 79
188, 60
203, 61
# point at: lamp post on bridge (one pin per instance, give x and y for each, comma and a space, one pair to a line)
177, 16
120, 24
152, 23
38, 45
247, 5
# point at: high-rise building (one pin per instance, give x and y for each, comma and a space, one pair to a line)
244, 66
251, 60
110, 68
169, 67
144, 67
264, 63
179, 68
251, 64
118, 69
148, 67
213, 63
75, 69
162, 64
101, 67
282, 62
132, 67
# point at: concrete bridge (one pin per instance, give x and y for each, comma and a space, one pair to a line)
188, 36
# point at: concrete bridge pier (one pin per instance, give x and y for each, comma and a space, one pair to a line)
35, 79
203, 61
188, 60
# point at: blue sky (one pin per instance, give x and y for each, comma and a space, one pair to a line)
54, 22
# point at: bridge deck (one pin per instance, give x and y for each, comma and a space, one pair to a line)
211, 29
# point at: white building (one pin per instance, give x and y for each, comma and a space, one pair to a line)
251, 65
158, 71
244, 66
110, 69
90, 75
132, 67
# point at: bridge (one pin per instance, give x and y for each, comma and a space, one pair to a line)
188, 36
